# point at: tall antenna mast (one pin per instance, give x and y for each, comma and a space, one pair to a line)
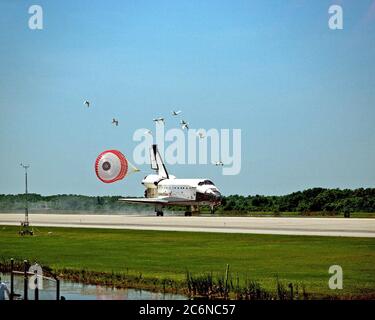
25, 224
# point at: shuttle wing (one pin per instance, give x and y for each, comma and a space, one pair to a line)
161, 200
144, 200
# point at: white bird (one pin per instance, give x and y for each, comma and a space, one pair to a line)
87, 103
159, 120
148, 132
115, 122
218, 163
200, 134
176, 113
184, 124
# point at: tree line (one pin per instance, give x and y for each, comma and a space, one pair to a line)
310, 200
59, 202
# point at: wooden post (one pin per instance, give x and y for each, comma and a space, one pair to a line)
25, 280
36, 290
11, 279
291, 291
226, 282
57, 289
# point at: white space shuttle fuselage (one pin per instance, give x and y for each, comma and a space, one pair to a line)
163, 189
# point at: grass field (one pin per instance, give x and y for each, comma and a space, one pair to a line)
297, 259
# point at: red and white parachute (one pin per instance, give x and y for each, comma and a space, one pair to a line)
112, 166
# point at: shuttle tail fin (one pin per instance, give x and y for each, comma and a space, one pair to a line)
157, 162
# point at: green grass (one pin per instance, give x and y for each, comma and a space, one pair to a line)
297, 259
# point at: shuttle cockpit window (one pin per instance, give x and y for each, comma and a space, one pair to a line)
205, 183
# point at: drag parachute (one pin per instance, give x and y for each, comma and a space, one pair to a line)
112, 166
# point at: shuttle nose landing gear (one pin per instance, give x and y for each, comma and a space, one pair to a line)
212, 209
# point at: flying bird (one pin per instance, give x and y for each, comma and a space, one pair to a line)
158, 120
218, 163
200, 134
184, 124
115, 122
87, 103
176, 113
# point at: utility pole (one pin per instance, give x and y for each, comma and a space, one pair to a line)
25, 224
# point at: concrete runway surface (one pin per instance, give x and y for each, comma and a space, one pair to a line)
271, 225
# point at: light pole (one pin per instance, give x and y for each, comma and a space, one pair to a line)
25, 224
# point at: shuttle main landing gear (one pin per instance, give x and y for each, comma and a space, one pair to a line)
159, 211
190, 210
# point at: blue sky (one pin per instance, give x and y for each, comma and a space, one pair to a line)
303, 95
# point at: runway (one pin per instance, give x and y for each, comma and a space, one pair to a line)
271, 225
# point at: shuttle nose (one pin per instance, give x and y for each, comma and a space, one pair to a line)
216, 195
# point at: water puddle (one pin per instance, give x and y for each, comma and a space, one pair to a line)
78, 291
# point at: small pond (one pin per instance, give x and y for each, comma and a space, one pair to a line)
78, 291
